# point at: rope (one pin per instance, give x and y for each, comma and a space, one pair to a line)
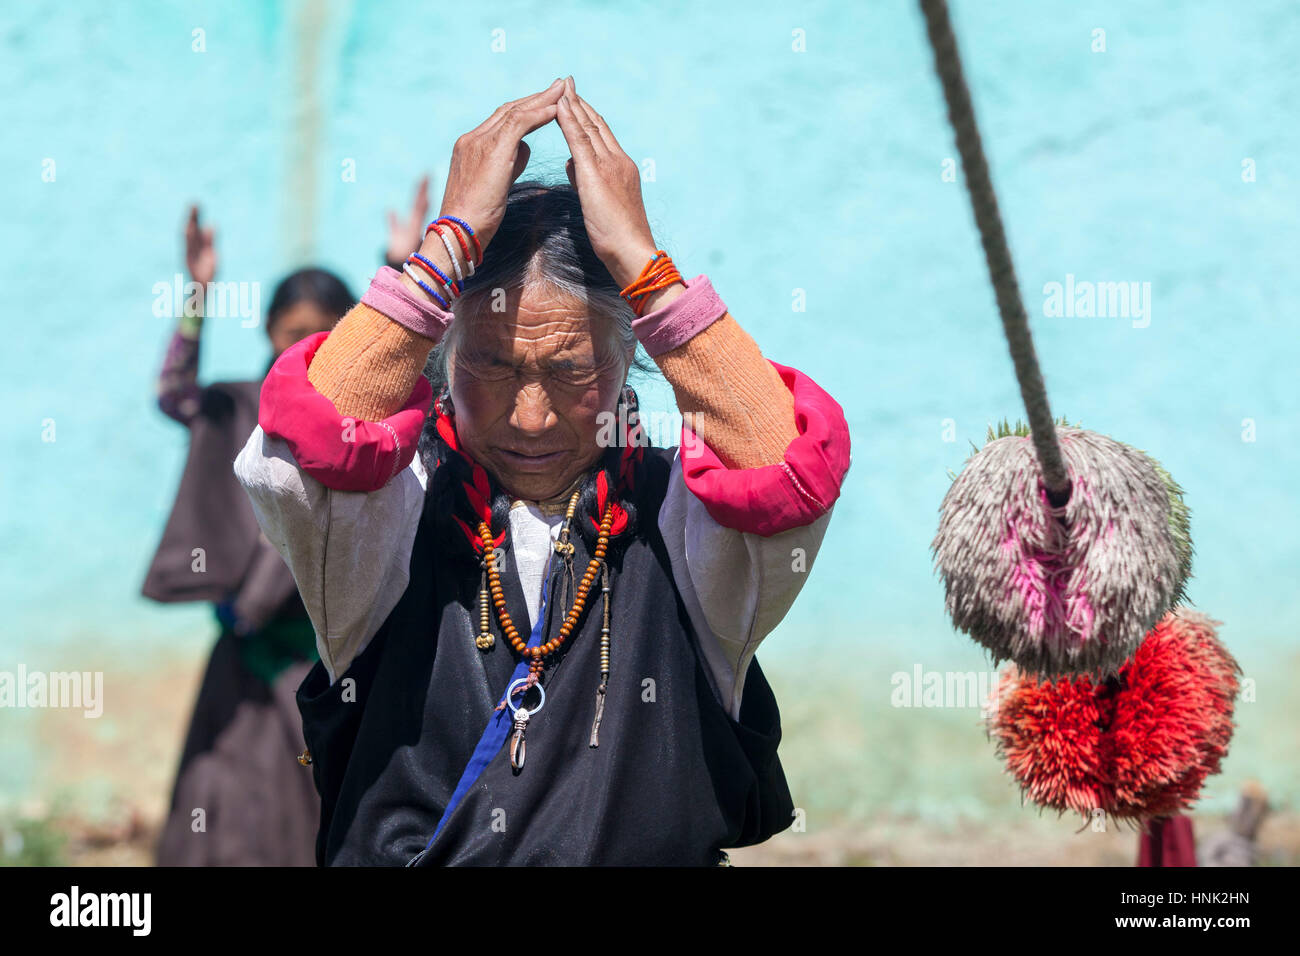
984, 202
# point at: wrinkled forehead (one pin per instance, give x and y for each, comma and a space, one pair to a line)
534, 326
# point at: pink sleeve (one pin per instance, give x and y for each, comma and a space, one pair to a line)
792, 493
342, 453
680, 320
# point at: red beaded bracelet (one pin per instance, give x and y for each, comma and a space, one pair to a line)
659, 273
456, 226
464, 248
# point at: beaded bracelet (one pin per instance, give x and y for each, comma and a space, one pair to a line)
440, 226
451, 250
464, 225
452, 289
659, 273
406, 267
415, 266
453, 222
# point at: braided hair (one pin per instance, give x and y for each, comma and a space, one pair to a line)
461, 492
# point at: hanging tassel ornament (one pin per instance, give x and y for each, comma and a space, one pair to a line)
634, 442
564, 548
1138, 745
604, 658
1065, 589
485, 640
1059, 549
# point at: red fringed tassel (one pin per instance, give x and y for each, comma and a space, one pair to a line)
479, 493
448, 432
1139, 746
478, 490
619, 522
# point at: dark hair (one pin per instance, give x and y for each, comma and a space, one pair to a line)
542, 240
317, 286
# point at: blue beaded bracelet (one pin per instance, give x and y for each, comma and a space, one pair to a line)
459, 222
478, 249
452, 287
406, 267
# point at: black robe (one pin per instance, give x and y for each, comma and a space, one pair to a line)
673, 781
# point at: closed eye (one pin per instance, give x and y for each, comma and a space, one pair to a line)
572, 373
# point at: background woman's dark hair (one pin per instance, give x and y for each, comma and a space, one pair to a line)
542, 240
321, 288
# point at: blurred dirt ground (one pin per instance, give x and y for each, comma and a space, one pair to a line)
106, 784
128, 840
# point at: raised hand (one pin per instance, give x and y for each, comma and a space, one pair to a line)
608, 182
489, 158
406, 234
200, 249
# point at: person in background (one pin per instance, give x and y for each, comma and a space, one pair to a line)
406, 235
239, 797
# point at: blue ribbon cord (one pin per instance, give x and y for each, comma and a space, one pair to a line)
501, 721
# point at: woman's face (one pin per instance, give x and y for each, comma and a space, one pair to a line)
528, 389
300, 320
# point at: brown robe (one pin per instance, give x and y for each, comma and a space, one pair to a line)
241, 797
239, 762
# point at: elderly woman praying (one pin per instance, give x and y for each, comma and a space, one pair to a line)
536, 631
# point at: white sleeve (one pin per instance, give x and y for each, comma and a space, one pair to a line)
349, 551
737, 586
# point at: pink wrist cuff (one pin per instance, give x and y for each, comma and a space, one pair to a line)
389, 295
681, 319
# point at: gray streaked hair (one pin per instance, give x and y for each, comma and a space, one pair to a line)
542, 242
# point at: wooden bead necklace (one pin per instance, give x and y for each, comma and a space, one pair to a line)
537, 655
614, 521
